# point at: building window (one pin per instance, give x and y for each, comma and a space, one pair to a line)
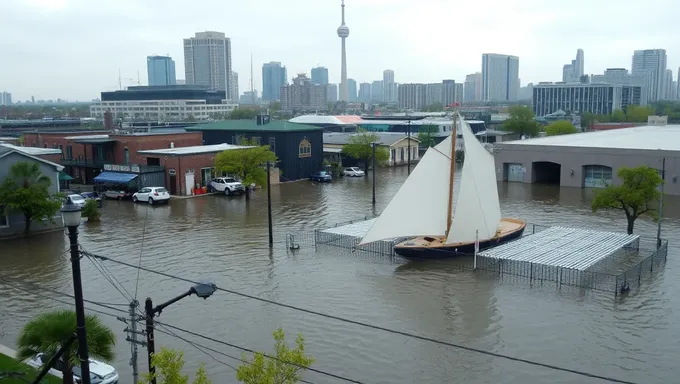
4, 220
272, 144
305, 149
61, 149
126, 156
69, 152
597, 176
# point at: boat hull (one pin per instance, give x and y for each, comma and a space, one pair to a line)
435, 247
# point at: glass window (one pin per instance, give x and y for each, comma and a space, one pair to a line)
126, 156
597, 176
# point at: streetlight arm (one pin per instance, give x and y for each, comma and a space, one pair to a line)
160, 307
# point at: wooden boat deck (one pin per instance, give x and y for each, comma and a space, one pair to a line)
505, 227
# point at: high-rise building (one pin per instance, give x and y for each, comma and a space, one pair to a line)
572, 73
320, 75
377, 91
500, 77
303, 96
433, 93
5, 98
600, 99
526, 93
668, 84
274, 77
343, 33
351, 90
473, 87
677, 88
458, 93
234, 86
651, 62
207, 61
448, 92
412, 96
160, 70
365, 92
249, 98
331, 93
621, 76
388, 88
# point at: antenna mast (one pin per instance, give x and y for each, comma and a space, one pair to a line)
120, 80
252, 86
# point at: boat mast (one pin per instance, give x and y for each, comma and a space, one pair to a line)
452, 169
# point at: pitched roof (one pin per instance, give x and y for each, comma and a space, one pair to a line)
7, 149
386, 138
251, 125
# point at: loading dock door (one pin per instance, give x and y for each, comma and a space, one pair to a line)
515, 173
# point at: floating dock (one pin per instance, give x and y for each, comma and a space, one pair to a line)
357, 229
561, 247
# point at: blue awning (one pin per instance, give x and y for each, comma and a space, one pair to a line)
115, 177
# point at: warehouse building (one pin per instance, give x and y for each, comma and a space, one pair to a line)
590, 159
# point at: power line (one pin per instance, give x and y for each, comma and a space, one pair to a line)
377, 327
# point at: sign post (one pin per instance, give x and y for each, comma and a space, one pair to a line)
474, 262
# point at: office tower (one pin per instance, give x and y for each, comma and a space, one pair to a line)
572, 73
388, 80
320, 75
526, 93
331, 93
412, 96
343, 33
473, 87
207, 61
365, 92
668, 85
448, 92
303, 96
651, 62
274, 76
160, 70
600, 99
234, 86
377, 95
351, 90
5, 98
249, 98
500, 77
621, 76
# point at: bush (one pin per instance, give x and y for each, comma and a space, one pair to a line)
91, 210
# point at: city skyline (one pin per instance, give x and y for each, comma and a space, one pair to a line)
143, 30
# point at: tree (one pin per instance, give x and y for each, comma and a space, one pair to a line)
169, 364
560, 127
637, 195
246, 164
638, 114
427, 134
521, 121
360, 148
91, 210
243, 114
285, 367
49, 331
618, 116
26, 190
587, 120
434, 107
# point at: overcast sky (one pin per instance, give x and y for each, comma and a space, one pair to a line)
73, 49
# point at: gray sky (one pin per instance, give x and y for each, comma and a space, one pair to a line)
73, 49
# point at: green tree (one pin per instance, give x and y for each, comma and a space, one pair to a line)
521, 121
427, 134
246, 164
637, 195
618, 116
638, 114
26, 190
169, 364
560, 127
243, 114
91, 210
587, 120
434, 107
285, 368
49, 331
359, 147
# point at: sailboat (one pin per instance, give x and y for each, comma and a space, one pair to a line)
433, 228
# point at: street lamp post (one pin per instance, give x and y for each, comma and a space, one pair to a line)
269, 205
374, 144
202, 290
408, 169
71, 216
658, 222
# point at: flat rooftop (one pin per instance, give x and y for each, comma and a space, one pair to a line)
195, 150
666, 138
33, 151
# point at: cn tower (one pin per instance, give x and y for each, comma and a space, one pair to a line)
343, 33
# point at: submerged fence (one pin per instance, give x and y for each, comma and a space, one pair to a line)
621, 272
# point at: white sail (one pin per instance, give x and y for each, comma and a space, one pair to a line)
477, 206
419, 207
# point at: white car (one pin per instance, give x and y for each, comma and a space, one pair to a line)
100, 373
228, 185
354, 172
152, 195
76, 200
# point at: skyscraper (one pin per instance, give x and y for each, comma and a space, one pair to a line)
651, 62
668, 84
365, 92
207, 61
351, 90
571, 73
273, 78
500, 77
473, 87
320, 75
579, 64
234, 86
377, 91
160, 70
331, 93
343, 33
389, 93
303, 96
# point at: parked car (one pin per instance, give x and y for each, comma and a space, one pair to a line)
118, 194
152, 195
75, 200
100, 373
92, 196
228, 185
354, 172
323, 176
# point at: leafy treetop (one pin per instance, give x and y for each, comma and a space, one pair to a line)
246, 164
560, 127
637, 195
359, 147
521, 121
427, 134
169, 364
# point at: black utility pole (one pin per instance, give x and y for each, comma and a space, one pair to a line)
374, 144
408, 134
658, 221
269, 206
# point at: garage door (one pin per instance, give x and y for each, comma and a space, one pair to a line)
516, 173
597, 176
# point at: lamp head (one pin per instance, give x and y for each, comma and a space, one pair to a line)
71, 214
204, 289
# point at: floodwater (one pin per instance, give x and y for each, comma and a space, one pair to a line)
225, 240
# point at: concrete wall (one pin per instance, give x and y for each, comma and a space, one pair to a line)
574, 159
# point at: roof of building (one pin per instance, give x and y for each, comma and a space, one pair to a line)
386, 138
251, 125
6, 149
329, 120
34, 151
647, 137
194, 150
